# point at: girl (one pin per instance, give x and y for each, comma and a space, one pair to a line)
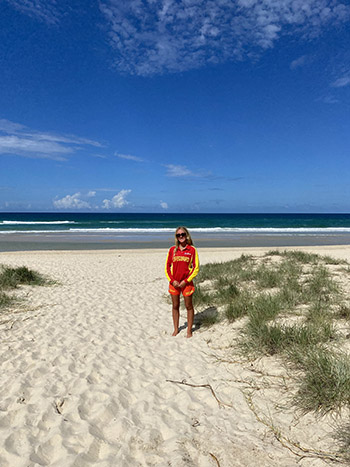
180, 268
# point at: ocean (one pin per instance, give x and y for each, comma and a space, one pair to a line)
105, 229
147, 223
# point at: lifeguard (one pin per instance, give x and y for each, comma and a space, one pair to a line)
181, 267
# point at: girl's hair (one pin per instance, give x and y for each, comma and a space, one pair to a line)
188, 237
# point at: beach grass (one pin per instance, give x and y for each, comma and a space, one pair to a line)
342, 436
238, 307
201, 297
344, 311
207, 317
325, 386
291, 302
12, 277
5, 300
306, 258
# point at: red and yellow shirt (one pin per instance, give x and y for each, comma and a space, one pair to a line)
182, 265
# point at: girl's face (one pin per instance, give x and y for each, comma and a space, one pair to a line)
181, 236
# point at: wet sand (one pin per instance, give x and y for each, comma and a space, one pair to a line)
64, 241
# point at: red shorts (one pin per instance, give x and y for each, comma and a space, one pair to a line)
186, 291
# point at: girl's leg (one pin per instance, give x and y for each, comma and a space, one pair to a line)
176, 313
190, 314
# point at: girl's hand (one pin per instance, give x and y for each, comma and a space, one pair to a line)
176, 284
182, 284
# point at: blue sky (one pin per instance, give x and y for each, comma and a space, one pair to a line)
175, 106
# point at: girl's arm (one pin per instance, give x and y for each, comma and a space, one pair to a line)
168, 264
195, 266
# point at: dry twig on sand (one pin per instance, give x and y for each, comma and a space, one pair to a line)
58, 406
215, 458
294, 447
221, 404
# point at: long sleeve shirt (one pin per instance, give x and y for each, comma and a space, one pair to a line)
182, 265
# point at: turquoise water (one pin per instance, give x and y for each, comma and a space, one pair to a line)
117, 223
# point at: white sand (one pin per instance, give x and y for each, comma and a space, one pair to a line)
84, 370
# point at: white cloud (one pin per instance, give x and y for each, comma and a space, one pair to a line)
169, 36
298, 62
341, 82
16, 206
129, 157
32, 148
99, 156
164, 205
44, 10
23, 141
71, 202
118, 201
91, 194
329, 100
178, 171
10, 127
183, 171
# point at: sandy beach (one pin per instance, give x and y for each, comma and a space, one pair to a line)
89, 371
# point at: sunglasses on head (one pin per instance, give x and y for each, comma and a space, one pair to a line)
180, 235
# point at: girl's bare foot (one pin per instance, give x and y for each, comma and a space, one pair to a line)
175, 333
189, 334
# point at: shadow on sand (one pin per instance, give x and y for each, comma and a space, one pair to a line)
203, 318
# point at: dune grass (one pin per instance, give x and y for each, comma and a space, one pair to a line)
206, 318
325, 386
12, 277
290, 302
5, 300
238, 307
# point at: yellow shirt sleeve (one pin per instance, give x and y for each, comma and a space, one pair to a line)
195, 266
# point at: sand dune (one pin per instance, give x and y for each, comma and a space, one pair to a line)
84, 373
